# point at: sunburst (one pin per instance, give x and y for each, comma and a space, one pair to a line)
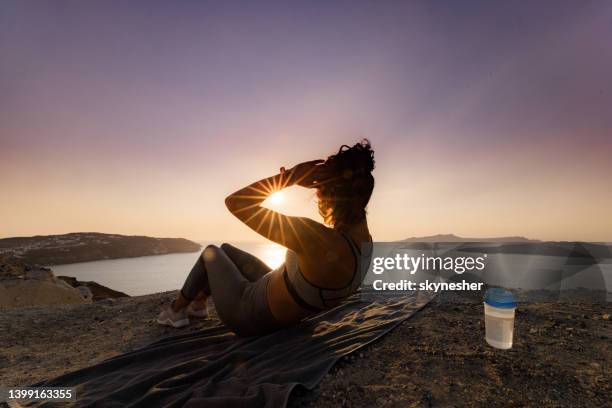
276, 198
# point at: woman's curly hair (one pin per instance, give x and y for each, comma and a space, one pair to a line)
346, 189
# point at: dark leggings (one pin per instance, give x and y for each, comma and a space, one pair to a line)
238, 283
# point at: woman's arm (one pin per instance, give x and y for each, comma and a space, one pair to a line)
295, 233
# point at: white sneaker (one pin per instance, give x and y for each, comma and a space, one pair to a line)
197, 310
169, 317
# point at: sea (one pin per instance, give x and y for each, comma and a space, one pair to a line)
157, 273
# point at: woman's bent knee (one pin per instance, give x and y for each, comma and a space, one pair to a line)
210, 253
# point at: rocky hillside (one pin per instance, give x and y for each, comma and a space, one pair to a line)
23, 285
89, 246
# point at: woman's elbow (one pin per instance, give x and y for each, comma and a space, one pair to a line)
230, 203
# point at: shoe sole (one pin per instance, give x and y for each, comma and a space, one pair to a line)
176, 324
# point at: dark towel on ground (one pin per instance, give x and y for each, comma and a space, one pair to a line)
215, 368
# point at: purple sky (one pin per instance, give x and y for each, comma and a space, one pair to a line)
488, 118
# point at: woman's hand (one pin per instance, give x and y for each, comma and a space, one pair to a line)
303, 174
246, 204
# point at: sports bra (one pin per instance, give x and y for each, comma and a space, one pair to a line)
316, 298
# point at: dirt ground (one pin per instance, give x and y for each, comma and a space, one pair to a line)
561, 357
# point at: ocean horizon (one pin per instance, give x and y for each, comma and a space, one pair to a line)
144, 275
160, 273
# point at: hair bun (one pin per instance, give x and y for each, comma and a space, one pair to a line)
359, 158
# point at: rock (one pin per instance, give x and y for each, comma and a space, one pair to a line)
39, 273
23, 285
11, 267
108, 301
85, 292
18, 293
98, 291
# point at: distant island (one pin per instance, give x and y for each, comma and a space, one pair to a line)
90, 246
592, 251
455, 238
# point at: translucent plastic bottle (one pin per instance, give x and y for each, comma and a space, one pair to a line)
499, 308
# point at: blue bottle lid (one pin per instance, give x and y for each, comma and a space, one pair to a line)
498, 297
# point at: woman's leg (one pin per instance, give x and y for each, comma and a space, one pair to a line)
249, 265
241, 304
196, 285
225, 282
194, 288
195, 291
197, 281
233, 267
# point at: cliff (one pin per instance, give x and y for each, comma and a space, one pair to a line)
90, 246
23, 285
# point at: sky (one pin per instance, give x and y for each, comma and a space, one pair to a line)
488, 118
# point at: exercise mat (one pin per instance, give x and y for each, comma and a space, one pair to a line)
215, 368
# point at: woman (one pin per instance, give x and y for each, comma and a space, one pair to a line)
322, 262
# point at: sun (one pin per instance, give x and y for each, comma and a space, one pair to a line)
276, 198
274, 255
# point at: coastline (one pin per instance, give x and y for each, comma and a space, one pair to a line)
79, 247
